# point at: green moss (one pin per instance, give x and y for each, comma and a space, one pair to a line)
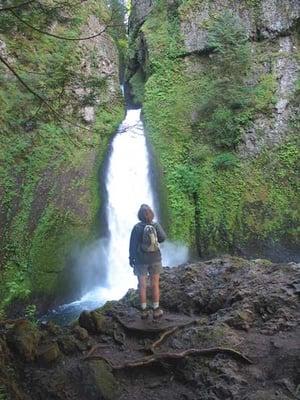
264, 93
137, 84
49, 167
210, 192
103, 380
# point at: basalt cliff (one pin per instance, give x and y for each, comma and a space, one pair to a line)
219, 84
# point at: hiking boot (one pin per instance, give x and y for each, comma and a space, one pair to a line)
157, 313
145, 314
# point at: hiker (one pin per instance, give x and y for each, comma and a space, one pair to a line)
145, 257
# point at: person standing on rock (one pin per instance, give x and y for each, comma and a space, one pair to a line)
145, 258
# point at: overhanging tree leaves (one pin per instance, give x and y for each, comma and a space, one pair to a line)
52, 67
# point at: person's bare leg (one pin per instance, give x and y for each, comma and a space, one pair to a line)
143, 289
143, 296
157, 312
155, 288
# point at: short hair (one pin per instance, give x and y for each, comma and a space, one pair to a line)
145, 214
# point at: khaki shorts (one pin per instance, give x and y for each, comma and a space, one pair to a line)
152, 269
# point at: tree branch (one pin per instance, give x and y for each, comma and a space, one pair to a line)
17, 6
62, 37
43, 100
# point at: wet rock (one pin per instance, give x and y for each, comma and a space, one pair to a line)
140, 10
68, 344
23, 339
267, 395
80, 333
52, 328
253, 314
48, 354
85, 321
242, 319
95, 322
99, 381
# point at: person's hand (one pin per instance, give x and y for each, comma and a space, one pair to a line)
132, 262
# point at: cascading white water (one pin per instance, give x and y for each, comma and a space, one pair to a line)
128, 186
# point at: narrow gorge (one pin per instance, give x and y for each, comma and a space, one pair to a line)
193, 107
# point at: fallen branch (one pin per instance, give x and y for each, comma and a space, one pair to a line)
34, 28
158, 357
9, 8
45, 102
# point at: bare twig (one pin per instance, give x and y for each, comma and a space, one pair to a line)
62, 37
158, 357
43, 100
17, 6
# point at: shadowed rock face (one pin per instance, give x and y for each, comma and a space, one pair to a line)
265, 19
140, 10
174, 61
270, 24
251, 307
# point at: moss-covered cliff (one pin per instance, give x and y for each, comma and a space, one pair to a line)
219, 83
52, 143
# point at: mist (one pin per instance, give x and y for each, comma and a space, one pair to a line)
91, 265
174, 254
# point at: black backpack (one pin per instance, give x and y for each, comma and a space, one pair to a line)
149, 239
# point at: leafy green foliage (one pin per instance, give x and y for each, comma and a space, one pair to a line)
45, 152
3, 393
229, 201
225, 161
31, 313
224, 97
137, 83
264, 94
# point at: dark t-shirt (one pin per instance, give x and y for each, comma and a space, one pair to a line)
135, 251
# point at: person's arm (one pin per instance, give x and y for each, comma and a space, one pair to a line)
161, 235
133, 245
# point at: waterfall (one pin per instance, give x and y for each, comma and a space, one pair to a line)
128, 185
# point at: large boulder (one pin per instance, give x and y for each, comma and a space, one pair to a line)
95, 322
99, 382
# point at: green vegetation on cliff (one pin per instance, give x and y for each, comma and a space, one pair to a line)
50, 151
197, 109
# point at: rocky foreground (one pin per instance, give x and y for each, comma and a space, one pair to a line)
231, 331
